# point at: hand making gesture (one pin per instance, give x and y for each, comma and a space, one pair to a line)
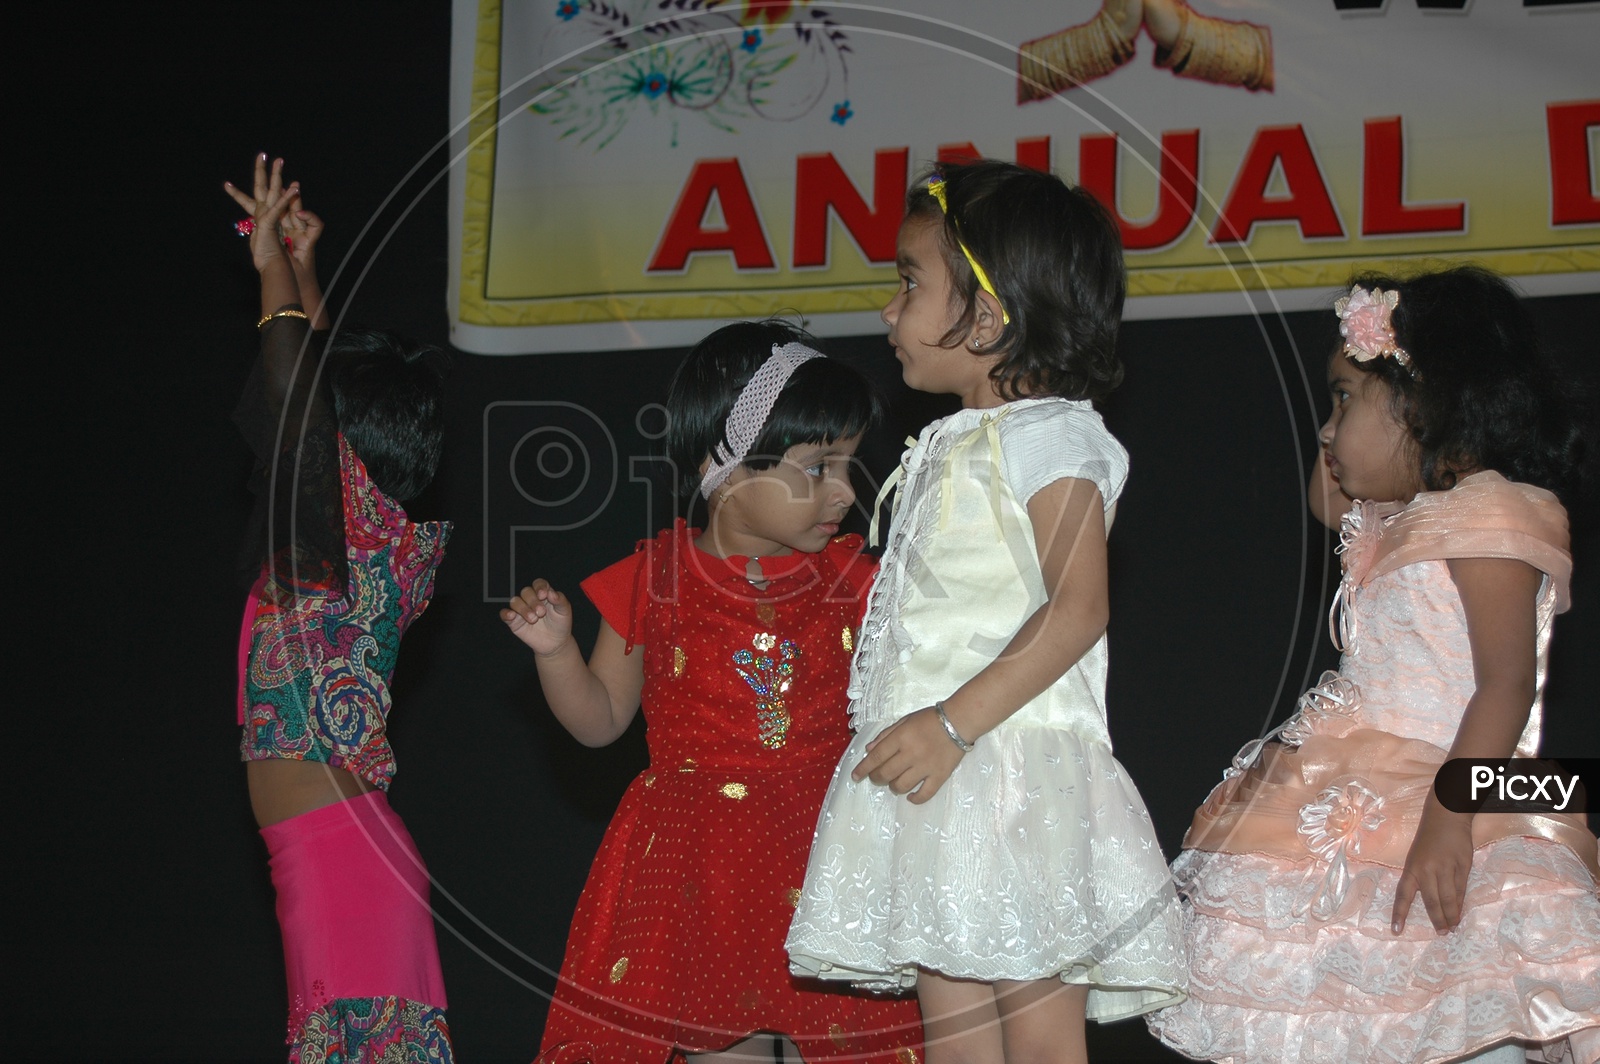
281, 230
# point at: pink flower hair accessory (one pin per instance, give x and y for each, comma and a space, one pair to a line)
1364, 322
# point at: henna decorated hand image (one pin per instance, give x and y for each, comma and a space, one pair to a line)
1188, 43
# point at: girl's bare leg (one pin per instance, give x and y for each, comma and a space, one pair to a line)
960, 1023
1041, 1021
757, 1049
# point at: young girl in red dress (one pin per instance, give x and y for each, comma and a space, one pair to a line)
737, 641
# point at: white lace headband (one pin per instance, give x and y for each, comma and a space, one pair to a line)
750, 412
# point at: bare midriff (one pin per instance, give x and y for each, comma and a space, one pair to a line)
281, 788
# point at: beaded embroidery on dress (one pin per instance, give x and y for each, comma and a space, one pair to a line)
677, 941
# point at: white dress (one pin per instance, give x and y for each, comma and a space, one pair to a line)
1037, 858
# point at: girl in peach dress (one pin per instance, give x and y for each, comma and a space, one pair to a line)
1301, 873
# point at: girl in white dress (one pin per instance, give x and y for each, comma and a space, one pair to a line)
979, 841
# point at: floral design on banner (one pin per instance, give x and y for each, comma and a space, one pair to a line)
678, 58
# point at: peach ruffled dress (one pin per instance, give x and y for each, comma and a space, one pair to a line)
1289, 871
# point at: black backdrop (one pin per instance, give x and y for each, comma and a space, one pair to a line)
141, 924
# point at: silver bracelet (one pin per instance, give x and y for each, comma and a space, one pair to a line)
950, 729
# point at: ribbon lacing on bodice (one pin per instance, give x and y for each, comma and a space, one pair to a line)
1333, 697
890, 484
883, 625
1358, 535
915, 454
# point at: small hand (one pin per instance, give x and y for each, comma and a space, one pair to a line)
1163, 20
267, 207
1126, 15
913, 750
301, 230
540, 616
1437, 868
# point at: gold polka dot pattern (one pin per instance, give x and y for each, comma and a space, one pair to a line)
698, 876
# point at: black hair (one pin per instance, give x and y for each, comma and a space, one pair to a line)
1481, 393
823, 400
1053, 254
388, 396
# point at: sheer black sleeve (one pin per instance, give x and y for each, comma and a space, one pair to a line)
287, 417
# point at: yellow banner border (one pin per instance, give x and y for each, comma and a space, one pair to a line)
474, 308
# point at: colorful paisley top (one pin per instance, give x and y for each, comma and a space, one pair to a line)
343, 573
317, 684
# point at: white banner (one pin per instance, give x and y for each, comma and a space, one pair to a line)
628, 172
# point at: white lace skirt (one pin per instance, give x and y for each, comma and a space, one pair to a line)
1269, 983
1035, 860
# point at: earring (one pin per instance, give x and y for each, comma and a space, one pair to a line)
722, 496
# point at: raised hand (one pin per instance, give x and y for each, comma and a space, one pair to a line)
281, 223
540, 616
1126, 15
1163, 20
301, 230
267, 207
913, 756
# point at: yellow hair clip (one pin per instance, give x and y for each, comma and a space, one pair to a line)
936, 190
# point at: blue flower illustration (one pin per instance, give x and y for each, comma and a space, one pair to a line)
721, 69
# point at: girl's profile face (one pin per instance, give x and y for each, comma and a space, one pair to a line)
1368, 449
921, 312
794, 506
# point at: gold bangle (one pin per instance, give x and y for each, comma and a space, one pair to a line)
1068, 59
283, 314
1220, 51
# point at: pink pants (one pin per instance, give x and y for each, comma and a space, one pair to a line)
353, 906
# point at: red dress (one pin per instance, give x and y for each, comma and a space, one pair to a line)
678, 939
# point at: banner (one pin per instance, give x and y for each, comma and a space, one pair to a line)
628, 172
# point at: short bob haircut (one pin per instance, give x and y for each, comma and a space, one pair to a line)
388, 397
824, 400
1054, 256
1484, 394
